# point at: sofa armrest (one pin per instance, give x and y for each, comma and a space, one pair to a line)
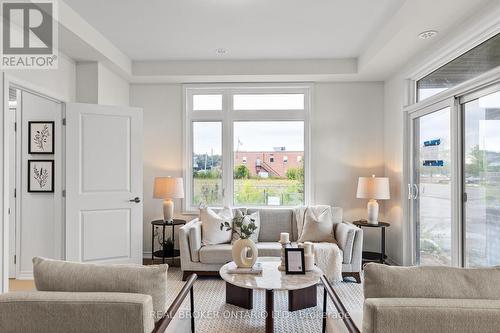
391, 315
350, 240
190, 241
47, 311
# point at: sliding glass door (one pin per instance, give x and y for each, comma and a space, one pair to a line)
431, 188
454, 180
481, 180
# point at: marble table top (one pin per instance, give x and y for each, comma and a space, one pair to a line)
271, 278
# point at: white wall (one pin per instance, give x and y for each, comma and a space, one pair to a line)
394, 96
347, 140
57, 83
97, 84
113, 89
40, 215
162, 116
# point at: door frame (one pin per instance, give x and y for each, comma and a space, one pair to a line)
8, 81
453, 97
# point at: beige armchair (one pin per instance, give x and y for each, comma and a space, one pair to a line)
74, 297
423, 299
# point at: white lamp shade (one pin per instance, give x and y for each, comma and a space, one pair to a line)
373, 188
168, 188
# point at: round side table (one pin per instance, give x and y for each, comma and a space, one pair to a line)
375, 256
164, 253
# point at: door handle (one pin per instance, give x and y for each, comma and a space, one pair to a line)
416, 192
136, 200
410, 194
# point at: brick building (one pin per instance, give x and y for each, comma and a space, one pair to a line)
272, 163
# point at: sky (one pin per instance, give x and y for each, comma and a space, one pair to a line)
252, 136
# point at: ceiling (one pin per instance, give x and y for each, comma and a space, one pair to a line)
246, 29
266, 40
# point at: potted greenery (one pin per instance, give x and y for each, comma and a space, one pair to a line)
244, 227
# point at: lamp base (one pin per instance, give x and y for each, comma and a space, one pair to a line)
168, 210
372, 208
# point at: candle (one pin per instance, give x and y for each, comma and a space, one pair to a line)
284, 237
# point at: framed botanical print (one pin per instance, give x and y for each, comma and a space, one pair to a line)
41, 137
40, 176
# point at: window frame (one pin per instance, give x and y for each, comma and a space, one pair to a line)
228, 116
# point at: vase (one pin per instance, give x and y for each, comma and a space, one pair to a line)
241, 249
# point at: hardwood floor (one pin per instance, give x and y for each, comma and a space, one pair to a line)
21, 285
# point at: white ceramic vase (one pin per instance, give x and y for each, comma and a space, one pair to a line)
241, 249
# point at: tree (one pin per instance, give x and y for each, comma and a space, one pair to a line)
241, 172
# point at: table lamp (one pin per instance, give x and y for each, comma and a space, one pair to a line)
168, 188
373, 188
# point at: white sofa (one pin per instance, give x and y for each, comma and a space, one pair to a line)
207, 260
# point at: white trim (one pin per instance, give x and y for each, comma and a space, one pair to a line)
227, 116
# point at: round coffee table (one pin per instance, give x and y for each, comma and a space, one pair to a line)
301, 288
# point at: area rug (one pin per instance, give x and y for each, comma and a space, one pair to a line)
212, 314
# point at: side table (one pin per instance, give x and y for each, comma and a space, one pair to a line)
375, 256
164, 253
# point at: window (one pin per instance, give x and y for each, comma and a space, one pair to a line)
207, 102
207, 163
475, 62
236, 148
269, 183
269, 102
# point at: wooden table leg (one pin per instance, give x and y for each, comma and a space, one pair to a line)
302, 298
238, 296
269, 311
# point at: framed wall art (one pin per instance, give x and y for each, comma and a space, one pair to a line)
41, 137
41, 176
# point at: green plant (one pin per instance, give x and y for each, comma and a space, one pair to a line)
295, 174
244, 230
241, 172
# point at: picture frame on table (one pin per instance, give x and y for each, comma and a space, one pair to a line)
41, 138
294, 261
40, 176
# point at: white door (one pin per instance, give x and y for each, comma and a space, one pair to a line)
103, 183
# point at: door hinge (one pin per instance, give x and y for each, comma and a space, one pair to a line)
15, 193
64, 121
9, 211
465, 197
64, 193
15, 127
15, 259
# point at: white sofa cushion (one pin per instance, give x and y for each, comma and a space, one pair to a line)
246, 220
211, 233
221, 253
318, 225
344, 234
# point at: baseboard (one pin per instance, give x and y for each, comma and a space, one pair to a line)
25, 276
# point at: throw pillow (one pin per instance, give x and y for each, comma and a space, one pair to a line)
318, 225
210, 226
246, 220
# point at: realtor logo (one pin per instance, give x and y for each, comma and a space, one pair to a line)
29, 34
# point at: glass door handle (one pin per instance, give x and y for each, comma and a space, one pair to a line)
415, 196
